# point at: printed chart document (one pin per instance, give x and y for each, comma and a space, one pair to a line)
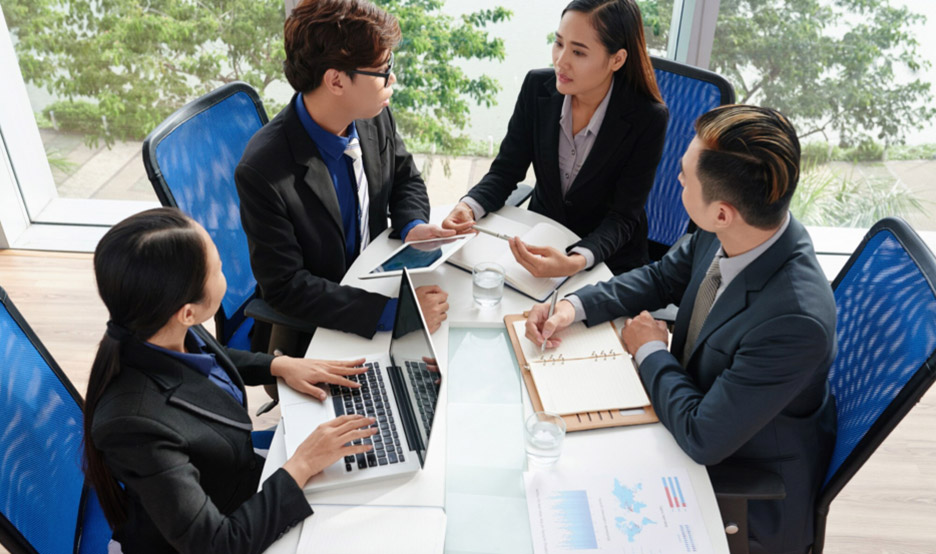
589, 371
485, 248
369, 529
641, 512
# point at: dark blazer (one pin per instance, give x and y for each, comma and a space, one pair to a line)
290, 213
754, 392
181, 446
605, 203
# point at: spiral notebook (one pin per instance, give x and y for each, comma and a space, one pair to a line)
589, 379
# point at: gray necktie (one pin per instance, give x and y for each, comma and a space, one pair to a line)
704, 299
353, 151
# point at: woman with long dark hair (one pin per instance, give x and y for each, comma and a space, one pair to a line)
167, 436
593, 127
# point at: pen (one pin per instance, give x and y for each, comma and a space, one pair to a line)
492, 233
552, 310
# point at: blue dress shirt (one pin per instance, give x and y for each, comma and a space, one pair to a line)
204, 362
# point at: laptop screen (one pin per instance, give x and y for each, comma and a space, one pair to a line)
415, 375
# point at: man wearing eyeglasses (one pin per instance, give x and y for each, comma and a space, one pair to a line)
317, 182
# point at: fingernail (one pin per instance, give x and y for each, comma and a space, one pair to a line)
372, 420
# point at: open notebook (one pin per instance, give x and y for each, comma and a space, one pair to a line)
588, 372
485, 248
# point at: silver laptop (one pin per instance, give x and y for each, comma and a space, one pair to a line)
400, 390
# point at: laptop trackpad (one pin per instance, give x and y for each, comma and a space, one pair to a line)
306, 417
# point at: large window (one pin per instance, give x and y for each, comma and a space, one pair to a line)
89, 80
85, 85
856, 78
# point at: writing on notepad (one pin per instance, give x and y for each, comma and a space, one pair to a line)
589, 371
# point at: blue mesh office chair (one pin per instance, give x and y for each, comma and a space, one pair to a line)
45, 506
886, 331
190, 159
688, 92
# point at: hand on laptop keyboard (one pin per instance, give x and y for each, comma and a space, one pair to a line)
302, 375
329, 443
371, 400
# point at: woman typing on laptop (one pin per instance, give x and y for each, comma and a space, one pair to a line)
167, 436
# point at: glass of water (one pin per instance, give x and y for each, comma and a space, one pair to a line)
487, 284
544, 432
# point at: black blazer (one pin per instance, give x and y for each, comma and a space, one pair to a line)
290, 214
754, 392
181, 446
605, 204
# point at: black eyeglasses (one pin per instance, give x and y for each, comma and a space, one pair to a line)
385, 75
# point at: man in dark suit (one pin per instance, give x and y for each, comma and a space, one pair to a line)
744, 380
317, 182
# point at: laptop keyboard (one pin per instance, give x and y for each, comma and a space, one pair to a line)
426, 393
370, 400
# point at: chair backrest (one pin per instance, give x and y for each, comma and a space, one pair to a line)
45, 506
688, 92
886, 328
190, 160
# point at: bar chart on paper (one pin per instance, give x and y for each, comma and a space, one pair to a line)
646, 513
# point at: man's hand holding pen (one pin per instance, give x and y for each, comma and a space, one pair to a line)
541, 326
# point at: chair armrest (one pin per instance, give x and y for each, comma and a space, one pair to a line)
519, 195
746, 482
261, 311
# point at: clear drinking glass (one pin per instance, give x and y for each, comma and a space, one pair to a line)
487, 284
543, 433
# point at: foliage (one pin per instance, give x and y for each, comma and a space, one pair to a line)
867, 151
827, 199
657, 16
60, 161
433, 97
818, 152
136, 63
830, 65
914, 152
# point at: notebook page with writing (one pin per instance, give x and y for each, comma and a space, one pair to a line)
588, 372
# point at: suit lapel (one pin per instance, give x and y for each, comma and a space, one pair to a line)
319, 180
186, 388
731, 301
305, 153
751, 279
370, 150
681, 326
548, 111
614, 129
223, 360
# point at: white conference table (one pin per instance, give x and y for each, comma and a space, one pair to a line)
475, 474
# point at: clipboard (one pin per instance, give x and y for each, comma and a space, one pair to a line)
581, 421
